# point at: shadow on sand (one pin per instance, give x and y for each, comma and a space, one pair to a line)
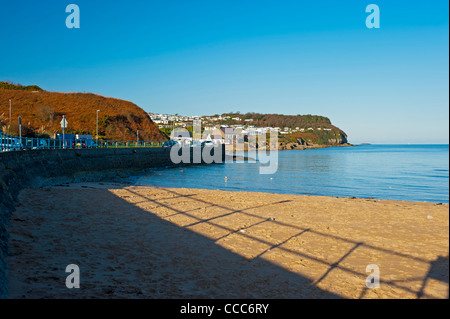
147, 258
127, 252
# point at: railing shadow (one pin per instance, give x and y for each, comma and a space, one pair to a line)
438, 271
437, 268
124, 251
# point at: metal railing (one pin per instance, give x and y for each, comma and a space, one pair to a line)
122, 144
15, 143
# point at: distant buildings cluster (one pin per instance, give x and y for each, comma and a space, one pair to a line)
214, 131
179, 120
165, 119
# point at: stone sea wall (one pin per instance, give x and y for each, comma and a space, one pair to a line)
22, 169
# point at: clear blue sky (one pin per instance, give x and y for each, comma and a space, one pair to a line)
387, 85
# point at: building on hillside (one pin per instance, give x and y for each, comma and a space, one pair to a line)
181, 136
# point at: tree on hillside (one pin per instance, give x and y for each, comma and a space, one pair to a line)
46, 113
9, 85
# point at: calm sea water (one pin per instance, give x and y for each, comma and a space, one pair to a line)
399, 172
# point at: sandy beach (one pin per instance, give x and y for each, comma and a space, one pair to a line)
146, 242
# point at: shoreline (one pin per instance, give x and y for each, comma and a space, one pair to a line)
293, 147
152, 242
438, 203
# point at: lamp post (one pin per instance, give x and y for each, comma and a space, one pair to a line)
97, 125
10, 114
63, 125
20, 129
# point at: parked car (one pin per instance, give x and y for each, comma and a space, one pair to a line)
35, 144
69, 140
79, 144
196, 143
169, 143
208, 143
87, 139
10, 144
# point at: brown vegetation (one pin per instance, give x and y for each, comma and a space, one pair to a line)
42, 111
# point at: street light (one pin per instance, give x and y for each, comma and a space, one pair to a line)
9, 114
97, 125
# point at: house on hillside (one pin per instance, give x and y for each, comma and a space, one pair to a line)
181, 136
214, 134
231, 135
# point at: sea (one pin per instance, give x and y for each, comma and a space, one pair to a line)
396, 172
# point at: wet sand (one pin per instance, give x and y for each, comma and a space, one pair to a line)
146, 242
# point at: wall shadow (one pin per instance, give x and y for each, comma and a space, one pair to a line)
438, 269
126, 252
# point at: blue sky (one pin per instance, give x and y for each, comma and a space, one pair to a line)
387, 85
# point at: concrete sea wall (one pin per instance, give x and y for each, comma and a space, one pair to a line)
22, 169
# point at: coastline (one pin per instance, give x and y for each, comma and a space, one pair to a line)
148, 242
292, 146
296, 146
